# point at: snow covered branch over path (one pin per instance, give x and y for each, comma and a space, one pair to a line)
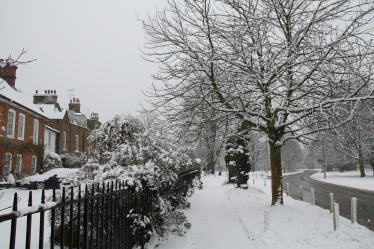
226, 217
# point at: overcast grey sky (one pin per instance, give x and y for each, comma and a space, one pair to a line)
90, 46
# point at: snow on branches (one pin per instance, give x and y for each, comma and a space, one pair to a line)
123, 150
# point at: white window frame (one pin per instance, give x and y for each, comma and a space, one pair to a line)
21, 126
76, 143
34, 160
18, 167
64, 141
11, 123
7, 164
35, 134
49, 138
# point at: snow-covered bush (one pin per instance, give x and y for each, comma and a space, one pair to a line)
73, 161
10, 179
122, 150
237, 161
51, 161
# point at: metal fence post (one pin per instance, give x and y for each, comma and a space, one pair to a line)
28, 225
13, 228
41, 229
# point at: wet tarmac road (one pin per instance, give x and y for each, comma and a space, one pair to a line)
342, 195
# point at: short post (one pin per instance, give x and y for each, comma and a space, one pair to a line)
331, 202
253, 181
336, 216
313, 197
264, 182
354, 210
288, 188
301, 193
266, 220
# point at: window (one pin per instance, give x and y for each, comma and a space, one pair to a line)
18, 167
11, 123
21, 126
36, 132
76, 143
33, 165
49, 138
64, 141
7, 164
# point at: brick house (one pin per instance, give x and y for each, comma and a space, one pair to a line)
22, 126
73, 126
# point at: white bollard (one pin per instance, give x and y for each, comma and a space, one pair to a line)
266, 220
336, 216
288, 188
313, 197
253, 181
331, 202
301, 193
354, 210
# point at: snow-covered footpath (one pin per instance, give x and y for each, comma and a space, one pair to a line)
225, 217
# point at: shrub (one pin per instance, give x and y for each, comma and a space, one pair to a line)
73, 161
51, 161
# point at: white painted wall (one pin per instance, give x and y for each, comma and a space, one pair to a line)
52, 146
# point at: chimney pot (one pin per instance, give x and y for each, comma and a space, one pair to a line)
45, 91
36, 91
55, 91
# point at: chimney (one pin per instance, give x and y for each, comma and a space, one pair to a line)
75, 105
94, 116
48, 97
8, 72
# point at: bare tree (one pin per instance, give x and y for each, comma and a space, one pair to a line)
282, 67
355, 139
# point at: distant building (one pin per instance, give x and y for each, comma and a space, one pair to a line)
73, 126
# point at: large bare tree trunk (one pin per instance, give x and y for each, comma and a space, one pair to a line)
276, 174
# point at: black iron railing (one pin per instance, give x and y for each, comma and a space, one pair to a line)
98, 217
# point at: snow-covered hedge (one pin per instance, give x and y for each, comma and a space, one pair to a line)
121, 149
73, 161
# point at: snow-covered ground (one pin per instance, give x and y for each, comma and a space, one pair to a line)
223, 216
350, 179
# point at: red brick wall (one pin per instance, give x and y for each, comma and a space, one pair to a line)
28, 135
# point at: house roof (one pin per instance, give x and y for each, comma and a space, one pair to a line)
51, 111
16, 96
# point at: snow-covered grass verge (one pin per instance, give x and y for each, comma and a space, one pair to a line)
223, 216
348, 179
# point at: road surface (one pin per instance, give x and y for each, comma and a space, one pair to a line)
342, 195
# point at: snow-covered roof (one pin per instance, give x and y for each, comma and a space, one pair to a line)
16, 96
52, 129
51, 111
